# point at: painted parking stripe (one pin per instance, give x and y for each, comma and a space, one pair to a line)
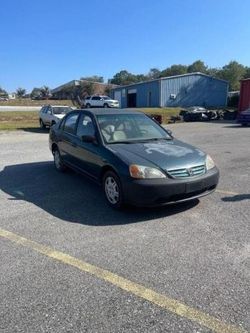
139, 290
226, 192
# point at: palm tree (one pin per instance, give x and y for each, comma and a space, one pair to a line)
45, 92
20, 92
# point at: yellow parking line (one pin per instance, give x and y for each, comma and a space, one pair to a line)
139, 290
226, 192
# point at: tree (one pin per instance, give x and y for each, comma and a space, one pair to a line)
45, 91
154, 73
93, 78
232, 72
197, 66
174, 70
20, 92
3, 93
247, 73
124, 78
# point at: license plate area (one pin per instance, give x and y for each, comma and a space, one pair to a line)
195, 186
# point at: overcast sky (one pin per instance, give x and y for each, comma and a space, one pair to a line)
50, 42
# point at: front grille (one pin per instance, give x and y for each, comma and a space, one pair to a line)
187, 172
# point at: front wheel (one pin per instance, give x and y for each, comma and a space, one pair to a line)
58, 161
105, 105
42, 126
88, 105
113, 190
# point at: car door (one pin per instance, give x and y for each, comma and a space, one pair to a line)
68, 140
44, 114
88, 154
96, 101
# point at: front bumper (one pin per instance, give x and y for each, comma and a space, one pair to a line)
156, 192
113, 105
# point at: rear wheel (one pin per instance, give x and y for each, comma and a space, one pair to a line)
58, 161
113, 190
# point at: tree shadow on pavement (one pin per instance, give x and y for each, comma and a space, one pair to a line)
238, 197
72, 197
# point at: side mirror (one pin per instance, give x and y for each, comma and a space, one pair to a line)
89, 139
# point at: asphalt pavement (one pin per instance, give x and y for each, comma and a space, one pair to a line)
182, 268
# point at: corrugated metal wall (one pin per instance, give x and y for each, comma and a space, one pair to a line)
193, 90
147, 94
184, 91
244, 102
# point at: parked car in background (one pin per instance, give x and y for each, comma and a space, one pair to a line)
134, 159
4, 98
51, 114
101, 101
243, 117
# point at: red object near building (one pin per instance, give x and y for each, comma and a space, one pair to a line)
244, 102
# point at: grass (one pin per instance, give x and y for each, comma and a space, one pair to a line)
30, 102
166, 113
18, 120
22, 120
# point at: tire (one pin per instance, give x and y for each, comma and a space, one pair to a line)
113, 190
88, 105
105, 105
42, 126
58, 163
52, 123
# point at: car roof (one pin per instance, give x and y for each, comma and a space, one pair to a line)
100, 111
60, 106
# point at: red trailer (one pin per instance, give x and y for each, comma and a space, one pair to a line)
244, 102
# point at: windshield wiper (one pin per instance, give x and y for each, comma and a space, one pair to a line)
117, 142
155, 139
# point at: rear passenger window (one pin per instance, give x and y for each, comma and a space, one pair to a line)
85, 126
70, 123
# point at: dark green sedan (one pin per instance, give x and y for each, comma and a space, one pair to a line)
134, 159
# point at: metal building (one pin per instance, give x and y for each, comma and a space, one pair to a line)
244, 102
180, 90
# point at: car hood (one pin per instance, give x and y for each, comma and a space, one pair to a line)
167, 155
112, 100
246, 112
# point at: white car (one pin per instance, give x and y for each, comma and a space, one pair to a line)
51, 114
101, 101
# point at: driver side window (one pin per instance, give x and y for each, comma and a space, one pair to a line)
85, 126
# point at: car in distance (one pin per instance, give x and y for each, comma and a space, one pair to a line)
51, 114
243, 117
134, 159
101, 101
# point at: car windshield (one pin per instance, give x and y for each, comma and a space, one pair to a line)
106, 98
61, 110
129, 128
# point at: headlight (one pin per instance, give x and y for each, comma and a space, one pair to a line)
209, 162
139, 171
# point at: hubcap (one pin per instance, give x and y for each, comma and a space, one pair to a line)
57, 159
111, 190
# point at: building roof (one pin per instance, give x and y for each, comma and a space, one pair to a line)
74, 83
170, 77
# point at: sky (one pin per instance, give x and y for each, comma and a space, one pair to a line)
51, 42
